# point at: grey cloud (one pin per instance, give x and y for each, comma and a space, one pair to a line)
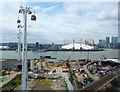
75, 21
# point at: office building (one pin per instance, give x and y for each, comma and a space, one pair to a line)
114, 42
108, 42
102, 43
37, 45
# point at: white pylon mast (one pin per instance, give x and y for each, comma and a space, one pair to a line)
19, 45
24, 53
25, 10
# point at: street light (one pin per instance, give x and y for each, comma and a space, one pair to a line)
25, 10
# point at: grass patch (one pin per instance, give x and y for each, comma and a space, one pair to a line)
79, 84
116, 82
42, 84
90, 79
44, 81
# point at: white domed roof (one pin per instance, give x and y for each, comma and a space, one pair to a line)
77, 46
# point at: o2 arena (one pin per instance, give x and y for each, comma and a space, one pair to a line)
86, 46
79, 47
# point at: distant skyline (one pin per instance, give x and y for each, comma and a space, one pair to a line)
59, 20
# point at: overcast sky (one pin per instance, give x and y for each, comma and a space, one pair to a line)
59, 20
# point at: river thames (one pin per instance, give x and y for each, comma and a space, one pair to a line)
63, 55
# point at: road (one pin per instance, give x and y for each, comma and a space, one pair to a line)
65, 76
89, 74
70, 86
97, 85
9, 78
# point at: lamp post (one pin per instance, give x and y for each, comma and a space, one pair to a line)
25, 10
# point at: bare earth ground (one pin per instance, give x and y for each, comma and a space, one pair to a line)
48, 84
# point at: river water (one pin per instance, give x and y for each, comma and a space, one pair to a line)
63, 55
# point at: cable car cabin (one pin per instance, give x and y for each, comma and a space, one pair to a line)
18, 26
33, 18
20, 11
18, 21
29, 12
